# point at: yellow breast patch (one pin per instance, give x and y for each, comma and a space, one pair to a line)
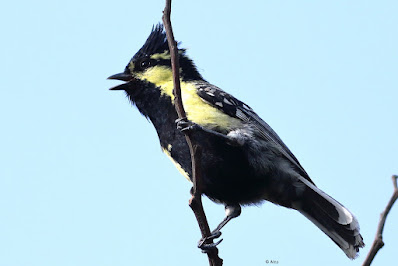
198, 111
177, 165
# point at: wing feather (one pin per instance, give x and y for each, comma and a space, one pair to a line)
236, 108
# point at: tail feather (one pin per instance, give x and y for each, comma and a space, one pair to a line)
332, 218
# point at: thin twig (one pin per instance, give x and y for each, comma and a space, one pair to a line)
196, 200
378, 241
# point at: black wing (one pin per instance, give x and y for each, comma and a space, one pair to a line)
235, 108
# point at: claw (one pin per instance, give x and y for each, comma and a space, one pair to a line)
206, 247
181, 119
183, 124
231, 212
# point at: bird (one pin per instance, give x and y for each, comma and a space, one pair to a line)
244, 162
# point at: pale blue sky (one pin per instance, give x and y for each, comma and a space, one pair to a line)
83, 181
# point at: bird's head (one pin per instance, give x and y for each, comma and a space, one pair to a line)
151, 65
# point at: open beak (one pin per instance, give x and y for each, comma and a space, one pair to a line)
121, 76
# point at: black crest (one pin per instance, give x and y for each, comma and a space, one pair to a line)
156, 43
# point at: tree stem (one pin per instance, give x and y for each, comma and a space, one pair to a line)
196, 200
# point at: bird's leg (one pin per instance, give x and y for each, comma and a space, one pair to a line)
183, 124
231, 211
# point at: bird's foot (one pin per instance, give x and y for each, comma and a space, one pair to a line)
183, 125
205, 247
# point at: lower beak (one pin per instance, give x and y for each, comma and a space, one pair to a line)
121, 76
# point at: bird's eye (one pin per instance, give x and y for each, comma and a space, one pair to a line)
145, 63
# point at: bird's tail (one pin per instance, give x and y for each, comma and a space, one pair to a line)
332, 218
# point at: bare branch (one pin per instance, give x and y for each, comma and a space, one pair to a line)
196, 201
378, 242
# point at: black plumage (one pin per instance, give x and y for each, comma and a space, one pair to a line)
244, 161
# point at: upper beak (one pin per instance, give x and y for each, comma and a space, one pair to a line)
121, 76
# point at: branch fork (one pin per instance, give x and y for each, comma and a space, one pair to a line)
378, 241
